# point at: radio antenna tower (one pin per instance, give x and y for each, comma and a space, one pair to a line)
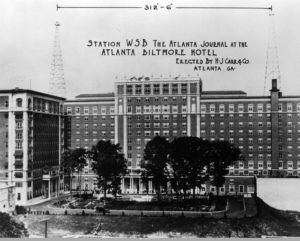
272, 70
57, 84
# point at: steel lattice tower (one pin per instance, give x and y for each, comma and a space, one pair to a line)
272, 70
57, 84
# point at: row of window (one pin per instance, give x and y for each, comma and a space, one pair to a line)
103, 125
103, 133
157, 117
157, 99
165, 88
158, 133
157, 125
86, 118
211, 108
241, 124
234, 132
92, 110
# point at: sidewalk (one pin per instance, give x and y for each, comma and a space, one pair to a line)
44, 201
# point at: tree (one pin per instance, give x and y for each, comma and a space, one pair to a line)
179, 165
109, 164
74, 160
154, 164
221, 155
187, 161
198, 163
9, 228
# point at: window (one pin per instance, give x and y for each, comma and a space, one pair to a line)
174, 88
241, 188
86, 110
156, 89
147, 109
231, 108
269, 164
250, 164
212, 108
129, 89
203, 108
240, 108
290, 165
250, 107
289, 107
19, 125
77, 110
166, 88
165, 125
174, 108
260, 108
103, 110
19, 102
69, 110
19, 145
221, 108
165, 117
19, 135
147, 89
183, 88
138, 109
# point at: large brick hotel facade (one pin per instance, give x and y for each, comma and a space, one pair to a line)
265, 128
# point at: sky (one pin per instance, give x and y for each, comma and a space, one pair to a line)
27, 39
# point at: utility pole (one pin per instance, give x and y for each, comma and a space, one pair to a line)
46, 228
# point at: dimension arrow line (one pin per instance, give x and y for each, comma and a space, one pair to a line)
95, 7
242, 8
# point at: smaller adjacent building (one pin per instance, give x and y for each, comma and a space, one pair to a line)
31, 144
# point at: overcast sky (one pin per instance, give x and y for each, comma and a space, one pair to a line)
27, 36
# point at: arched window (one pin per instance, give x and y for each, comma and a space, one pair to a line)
19, 102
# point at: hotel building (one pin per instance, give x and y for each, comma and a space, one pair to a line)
265, 128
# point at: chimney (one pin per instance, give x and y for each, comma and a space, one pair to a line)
274, 84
